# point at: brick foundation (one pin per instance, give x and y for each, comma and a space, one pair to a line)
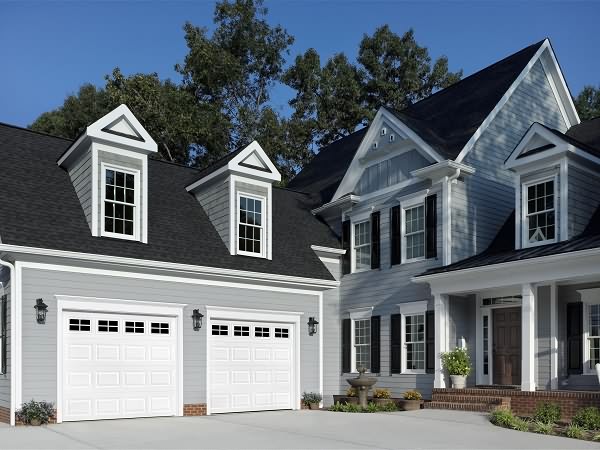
523, 403
4, 415
194, 409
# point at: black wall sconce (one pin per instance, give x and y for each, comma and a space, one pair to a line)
197, 319
40, 310
313, 326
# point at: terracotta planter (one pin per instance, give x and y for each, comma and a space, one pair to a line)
458, 381
409, 405
313, 406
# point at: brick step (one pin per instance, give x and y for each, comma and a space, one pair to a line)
473, 407
475, 391
455, 398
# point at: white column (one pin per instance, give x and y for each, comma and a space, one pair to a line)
441, 336
528, 338
553, 337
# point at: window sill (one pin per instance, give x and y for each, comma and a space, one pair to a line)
252, 255
124, 237
413, 372
537, 244
413, 260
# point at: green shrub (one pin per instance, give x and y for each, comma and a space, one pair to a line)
354, 408
542, 427
351, 392
32, 411
547, 413
596, 437
520, 424
372, 408
336, 407
382, 393
389, 407
311, 397
574, 431
457, 362
502, 418
412, 395
588, 418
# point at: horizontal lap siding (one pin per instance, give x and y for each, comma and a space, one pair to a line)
584, 197
215, 202
462, 325
81, 177
542, 343
5, 379
489, 193
39, 341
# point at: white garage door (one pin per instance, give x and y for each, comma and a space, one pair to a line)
118, 366
251, 366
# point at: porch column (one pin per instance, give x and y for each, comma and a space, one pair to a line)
528, 338
441, 309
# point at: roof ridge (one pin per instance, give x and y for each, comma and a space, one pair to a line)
17, 127
445, 90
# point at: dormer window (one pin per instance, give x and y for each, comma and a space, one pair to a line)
540, 212
250, 225
120, 202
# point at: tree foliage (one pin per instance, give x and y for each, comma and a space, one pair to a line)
588, 103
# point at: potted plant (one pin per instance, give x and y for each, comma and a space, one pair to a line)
458, 364
35, 413
411, 402
312, 399
382, 397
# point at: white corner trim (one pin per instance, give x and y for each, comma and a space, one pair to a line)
491, 116
563, 203
95, 226
413, 307
111, 305
553, 336
13, 340
361, 313
321, 354
333, 251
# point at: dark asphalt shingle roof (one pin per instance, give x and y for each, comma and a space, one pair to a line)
41, 209
502, 248
445, 120
585, 135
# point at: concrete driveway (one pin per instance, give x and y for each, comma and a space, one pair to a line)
288, 430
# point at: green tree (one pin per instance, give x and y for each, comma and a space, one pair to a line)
587, 103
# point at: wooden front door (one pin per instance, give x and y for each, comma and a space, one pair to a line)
507, 346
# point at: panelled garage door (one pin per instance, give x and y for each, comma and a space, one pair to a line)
251, 366
118, 366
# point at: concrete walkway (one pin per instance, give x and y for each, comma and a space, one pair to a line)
288, 430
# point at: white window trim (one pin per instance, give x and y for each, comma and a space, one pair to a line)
413, 309
356, 221
404, 205
357, 314
589, 297
263, 227
2, 294
136, 207
524, 205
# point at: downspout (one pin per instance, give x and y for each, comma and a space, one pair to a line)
447, 212
13, 353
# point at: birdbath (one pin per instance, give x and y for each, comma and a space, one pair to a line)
362, 384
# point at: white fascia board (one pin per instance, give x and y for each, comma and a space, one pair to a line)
442, 169
341, 203
330, 250
551, 65
82, 140
492, 115
535, 129
254, 147
180, 269
356, 168
543, 269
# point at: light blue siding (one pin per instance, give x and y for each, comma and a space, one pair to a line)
542, 339
81, 177
584, 198
215, 202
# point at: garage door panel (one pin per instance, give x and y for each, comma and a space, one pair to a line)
251, 370
118, 374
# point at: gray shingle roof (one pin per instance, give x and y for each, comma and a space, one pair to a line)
40, 209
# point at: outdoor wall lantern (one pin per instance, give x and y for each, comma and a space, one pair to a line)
313, 326
197, 319
40, 310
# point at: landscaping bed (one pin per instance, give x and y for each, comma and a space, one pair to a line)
381, 401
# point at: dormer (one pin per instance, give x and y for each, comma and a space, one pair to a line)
108, 165
236, 193
557, 185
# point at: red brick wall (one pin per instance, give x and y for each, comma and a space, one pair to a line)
194, 409
4, 415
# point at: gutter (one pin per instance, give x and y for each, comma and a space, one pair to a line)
13, 353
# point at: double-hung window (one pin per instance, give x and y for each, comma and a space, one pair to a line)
540, 217
251, 234
413, 230
593, 327
120, 203
362, 245
362, 344
414, 339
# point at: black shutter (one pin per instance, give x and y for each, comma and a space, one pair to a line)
430, 342
346, 246
430, 226
575, 338
375, 241
396, 343
395, 237
346, 346
3, 331
375, 344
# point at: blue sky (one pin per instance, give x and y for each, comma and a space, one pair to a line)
48, 49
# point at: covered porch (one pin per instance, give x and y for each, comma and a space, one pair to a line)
529, 325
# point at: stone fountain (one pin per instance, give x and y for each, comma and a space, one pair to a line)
362, 384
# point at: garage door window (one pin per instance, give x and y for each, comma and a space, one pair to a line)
134, 327
239, 330
261, 332
79, 325
220, 330
281, 333
159, 328
111, 326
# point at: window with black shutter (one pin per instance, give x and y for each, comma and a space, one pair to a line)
375, 240
396, 343
395, 235
430, 342
431, 226
575, 338
375, 344
346, 246
346, 345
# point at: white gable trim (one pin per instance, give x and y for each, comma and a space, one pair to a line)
356, 169
552, 69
